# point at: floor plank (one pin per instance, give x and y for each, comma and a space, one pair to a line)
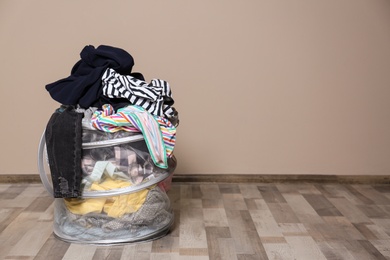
221, 221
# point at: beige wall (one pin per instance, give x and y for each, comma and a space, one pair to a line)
262, 87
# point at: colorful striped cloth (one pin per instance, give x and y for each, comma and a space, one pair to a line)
159, 133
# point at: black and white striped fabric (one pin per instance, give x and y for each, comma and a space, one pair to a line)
155, 97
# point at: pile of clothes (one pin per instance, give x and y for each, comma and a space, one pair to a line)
112, 130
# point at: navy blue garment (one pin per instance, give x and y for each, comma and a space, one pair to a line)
63, 137
83, 86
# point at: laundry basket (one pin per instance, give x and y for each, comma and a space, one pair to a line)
106, 155
126, 202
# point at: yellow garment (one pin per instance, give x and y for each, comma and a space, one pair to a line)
85, 206
115, 206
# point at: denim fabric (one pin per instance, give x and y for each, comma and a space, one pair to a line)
63, 142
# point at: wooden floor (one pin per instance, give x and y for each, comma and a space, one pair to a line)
221, 221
